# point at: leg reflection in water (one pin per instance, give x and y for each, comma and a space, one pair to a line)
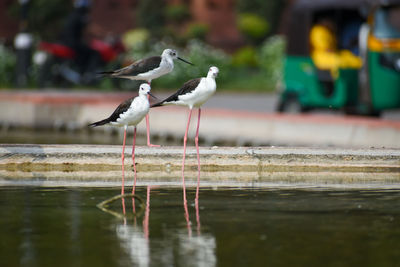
187, 217
185, 207
133, 238
147, 215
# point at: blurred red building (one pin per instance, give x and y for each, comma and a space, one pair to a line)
220, 16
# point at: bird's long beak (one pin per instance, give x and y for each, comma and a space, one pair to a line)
181, 59
153, 96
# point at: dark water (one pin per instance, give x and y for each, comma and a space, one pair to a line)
231, 227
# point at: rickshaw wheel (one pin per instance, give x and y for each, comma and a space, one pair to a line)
356, 111
291, 104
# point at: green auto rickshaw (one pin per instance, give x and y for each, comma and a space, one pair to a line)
375, 38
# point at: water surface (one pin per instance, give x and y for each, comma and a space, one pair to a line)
230, 227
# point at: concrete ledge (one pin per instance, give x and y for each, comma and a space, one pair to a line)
244, 166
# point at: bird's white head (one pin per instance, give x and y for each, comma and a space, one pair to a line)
213, 72
170, 53
144, 89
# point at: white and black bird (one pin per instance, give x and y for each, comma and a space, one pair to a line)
129, 113
148, 69
193, 93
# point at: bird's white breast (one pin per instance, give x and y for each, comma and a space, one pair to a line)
136, 112
201, 94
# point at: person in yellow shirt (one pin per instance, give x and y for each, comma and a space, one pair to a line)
325, 54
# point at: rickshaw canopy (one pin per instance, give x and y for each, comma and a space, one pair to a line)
301, 15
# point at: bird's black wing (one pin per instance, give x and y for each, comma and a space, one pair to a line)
187, 87
136, 68
124, 106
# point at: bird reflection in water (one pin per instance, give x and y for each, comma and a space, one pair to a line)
199, 249
135, 239
145, 222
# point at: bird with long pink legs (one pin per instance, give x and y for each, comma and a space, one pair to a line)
129, 113
148, 69
193, 93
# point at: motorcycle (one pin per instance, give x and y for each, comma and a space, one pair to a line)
58, 64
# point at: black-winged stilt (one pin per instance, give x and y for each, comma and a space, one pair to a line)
148, 69
193, 93
128, 113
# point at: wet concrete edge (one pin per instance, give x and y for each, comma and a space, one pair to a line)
232, 166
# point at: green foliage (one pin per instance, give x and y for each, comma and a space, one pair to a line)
7, 66
136, 37
150, 15
45, 18
177, 13
271, 57
269, 10
197, 31
260, 7
245, 57
253, 26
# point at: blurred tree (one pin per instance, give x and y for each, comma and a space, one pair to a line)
271, 57
45, 17
269, 10
151, 15
7, 66
245, 57
197, 31
253, 26
136, 37
177, 13
176, 29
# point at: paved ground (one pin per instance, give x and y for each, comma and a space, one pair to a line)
239, 119
268, 103
257, 102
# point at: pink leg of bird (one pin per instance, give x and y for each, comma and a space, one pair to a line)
198, 174
148, 133
198, 156
183, 176
184, 155
123, 159
148, 127
133, 159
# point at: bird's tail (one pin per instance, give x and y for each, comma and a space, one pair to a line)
165, 102
159, 104
106, 73
99, 123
